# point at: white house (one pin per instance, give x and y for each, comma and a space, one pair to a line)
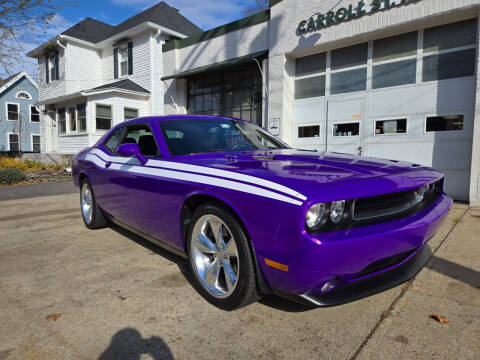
95, 75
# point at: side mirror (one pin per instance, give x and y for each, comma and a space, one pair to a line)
131, 150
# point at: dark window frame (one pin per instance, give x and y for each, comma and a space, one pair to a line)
432, 117
346, 123
97, 128
35, 113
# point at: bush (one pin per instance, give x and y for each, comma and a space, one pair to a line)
30, 165
11, 176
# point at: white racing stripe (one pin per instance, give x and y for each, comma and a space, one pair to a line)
205, 171
201, 179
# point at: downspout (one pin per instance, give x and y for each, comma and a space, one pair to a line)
64, 61
155, 72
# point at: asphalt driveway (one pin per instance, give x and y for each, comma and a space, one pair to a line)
70, 293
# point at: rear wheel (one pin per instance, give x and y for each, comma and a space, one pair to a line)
92, 215
220, 258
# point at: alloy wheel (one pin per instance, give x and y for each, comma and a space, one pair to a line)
214, 256
87, 203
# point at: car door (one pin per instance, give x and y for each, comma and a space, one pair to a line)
134, 198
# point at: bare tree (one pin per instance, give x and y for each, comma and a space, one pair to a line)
24, 21
258, 5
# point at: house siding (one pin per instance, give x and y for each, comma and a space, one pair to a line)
84, 68
141, 62
24, 126
54, 88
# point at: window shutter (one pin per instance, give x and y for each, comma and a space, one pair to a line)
115, 63
47, 75
130, 58
57, 66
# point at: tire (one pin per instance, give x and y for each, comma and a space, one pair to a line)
96, 219
215, 282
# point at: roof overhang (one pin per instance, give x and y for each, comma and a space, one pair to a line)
86, 93
15, 79
216, 66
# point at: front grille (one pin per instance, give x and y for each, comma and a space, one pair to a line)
389, 204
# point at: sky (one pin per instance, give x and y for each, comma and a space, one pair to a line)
206, 14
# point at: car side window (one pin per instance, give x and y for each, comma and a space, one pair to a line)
115, 140
142, 135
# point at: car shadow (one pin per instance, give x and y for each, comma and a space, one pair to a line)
128, 344
272, 301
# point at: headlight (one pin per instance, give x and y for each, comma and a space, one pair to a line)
315, 215
337, 210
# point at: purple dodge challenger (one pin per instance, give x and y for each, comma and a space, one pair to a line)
254, 216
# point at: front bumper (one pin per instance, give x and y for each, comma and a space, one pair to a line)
358, 262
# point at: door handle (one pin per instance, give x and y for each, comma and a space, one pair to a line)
108, 164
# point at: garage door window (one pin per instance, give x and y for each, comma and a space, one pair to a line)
444, 123
390, 127
313, 64
450, 36
449, 65
395, 47
349, 81
347, 129
348, 57
309, 131
310, 87
395, 74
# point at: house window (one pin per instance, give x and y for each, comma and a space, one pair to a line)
34, 114
104, 117
62, 124
123, 60
383, 127
445, 123
36, 143
130, 114
82, 117
347, 129
53, 66
12, 112
13, 142
73, 119
23, 95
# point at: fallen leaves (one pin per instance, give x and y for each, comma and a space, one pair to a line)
439, 318
53, 317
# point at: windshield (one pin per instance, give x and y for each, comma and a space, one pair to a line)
194, 136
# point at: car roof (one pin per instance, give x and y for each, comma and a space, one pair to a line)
151, 119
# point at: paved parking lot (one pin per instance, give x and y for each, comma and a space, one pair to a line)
70, 293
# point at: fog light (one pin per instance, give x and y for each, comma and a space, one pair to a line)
329, 286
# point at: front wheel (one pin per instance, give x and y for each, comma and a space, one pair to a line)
92, 215
220, 258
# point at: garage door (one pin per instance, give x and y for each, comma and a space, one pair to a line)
408, 97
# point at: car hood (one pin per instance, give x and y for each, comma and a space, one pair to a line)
323, 175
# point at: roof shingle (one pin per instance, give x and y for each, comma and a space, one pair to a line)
126, 84
90, 30
162, 14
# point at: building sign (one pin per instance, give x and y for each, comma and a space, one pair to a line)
274, 126
322, 21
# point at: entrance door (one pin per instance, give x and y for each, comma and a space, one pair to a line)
344, 124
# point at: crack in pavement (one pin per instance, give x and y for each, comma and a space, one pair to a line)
387, 312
